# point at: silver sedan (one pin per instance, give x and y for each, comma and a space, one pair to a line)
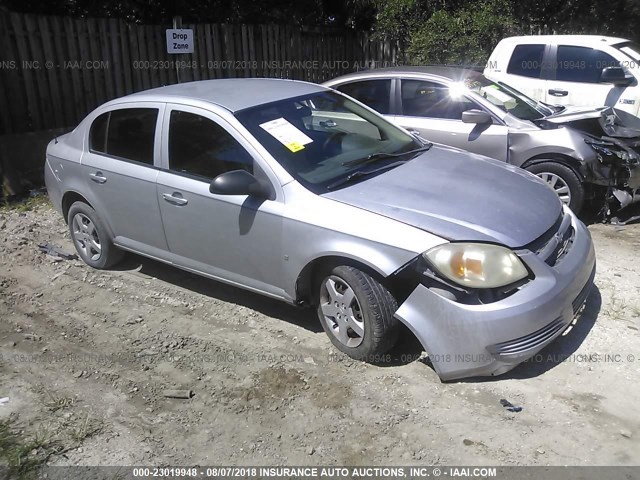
299, 193
578, 153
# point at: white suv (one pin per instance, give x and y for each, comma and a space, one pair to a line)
577, 70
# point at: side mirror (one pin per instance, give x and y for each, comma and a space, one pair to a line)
238, 182
476, 116
615, 75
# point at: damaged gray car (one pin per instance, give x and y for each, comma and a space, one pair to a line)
580, 154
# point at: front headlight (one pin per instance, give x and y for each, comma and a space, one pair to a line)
477, 265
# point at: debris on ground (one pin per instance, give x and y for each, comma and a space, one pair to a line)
55, 251
510, 406
617, 221
182, 394
4, 401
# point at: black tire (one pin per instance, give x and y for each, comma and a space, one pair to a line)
109, 254
373, 305
568, 176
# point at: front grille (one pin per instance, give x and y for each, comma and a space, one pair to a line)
528, 342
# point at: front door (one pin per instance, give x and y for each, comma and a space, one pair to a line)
435, 112
236, 238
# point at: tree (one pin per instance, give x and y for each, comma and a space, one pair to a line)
352, 13
464, 36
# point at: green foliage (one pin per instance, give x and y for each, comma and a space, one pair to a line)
463, 37
396, 20
466, 31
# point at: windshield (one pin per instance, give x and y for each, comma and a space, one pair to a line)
505, 98
325, 137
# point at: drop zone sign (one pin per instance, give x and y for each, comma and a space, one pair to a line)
180, 40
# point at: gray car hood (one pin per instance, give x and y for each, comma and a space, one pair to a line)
459, 196
597, 121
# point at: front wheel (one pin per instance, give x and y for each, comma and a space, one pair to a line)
357, 313
563, 180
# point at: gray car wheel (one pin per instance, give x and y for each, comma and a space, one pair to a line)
90, 237
563, 180
357, 313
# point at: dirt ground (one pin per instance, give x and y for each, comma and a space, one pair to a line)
86, 355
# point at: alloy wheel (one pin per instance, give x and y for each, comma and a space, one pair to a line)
558, 185
341, 311
86, 237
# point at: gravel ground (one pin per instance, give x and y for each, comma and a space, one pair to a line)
86, 355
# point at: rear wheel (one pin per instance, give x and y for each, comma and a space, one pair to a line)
357, 313
90, 237
563, 180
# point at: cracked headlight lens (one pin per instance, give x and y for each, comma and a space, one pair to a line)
477, 265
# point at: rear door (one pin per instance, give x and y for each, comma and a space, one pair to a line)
374, 93
576, 77
232, 237
120, 166
435, 111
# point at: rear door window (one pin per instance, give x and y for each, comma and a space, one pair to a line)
127, 133
582, 64
526, 60
373, 93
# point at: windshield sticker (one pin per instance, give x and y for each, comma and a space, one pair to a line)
287, 134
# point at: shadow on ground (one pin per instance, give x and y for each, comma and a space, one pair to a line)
302, 317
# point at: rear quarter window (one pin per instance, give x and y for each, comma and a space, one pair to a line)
526, 60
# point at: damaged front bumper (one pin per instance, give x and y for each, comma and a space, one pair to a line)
617, 167
490, 339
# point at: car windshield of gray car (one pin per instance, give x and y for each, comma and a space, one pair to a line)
506, 99
323, 138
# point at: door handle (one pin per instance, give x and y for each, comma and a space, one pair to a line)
98, 177
171, 198
558, 93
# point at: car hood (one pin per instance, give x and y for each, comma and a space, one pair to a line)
460, 196
607, 121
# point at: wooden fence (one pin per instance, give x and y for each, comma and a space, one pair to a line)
55, 70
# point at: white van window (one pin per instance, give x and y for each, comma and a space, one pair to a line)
526, 61
582, 64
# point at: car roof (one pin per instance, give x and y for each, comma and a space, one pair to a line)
586, 40
234, 94
448, 73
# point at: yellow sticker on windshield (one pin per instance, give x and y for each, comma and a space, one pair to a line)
294, 146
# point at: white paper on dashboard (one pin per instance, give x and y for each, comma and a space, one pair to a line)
286, 133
